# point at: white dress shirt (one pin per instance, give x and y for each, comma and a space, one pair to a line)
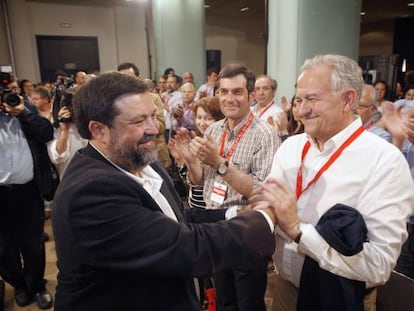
16, 161
273, 111
75, 142
371, 176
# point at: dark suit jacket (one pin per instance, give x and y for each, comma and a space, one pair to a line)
343, 228
38, 132
116, 250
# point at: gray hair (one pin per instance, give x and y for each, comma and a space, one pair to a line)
345, 72
188, 84
273, 82
369, 88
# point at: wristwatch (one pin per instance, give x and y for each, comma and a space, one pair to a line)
223, 167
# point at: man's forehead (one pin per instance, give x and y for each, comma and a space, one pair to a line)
235, 82
263, 82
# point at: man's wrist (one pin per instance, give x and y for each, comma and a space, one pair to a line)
223, 167
219, 162
295, 233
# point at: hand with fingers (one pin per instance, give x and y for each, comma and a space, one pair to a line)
181, 146
277, 196
208, 151
408, 125
286, 105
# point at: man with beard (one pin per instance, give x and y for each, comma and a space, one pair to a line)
123, 238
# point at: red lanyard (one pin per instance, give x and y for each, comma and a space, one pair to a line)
265, 109
236, 141
331, 160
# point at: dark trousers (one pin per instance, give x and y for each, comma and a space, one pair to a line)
405, 263
242, 290
22, 252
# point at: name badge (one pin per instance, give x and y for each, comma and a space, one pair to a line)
219, 192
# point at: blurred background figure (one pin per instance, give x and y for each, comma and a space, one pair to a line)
207, 89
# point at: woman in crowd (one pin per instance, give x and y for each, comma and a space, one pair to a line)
206, 112
381, 90
288, 123
409, 92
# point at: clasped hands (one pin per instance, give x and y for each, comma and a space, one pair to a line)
192, 149
278, 201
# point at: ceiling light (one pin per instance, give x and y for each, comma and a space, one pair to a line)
410, 4
206, 6
244, 9
362, 13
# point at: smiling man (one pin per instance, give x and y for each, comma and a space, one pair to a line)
335, 184
122, 234
236, 155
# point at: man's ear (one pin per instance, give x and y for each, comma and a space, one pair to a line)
97, 130
350, 98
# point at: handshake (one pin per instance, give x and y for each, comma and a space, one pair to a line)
278, 201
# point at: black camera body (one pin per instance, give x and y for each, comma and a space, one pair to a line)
66, 101
9, 97
62, 94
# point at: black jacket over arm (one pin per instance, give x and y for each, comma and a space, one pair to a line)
38, 132
117, 251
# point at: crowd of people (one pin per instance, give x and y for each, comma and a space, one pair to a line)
320, 186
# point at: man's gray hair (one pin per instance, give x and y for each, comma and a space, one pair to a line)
345, 72
373, 93
273, 82
189, 84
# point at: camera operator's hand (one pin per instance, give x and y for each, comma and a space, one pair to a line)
64, 113
14, 110
178, 112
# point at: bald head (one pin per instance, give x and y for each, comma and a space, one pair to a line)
188, 77
80, 78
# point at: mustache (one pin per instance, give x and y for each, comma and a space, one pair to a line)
147, 138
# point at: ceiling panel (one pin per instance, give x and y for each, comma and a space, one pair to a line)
376, 10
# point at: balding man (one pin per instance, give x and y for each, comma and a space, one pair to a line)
183, 116
369, 113
188, 77
265, 89
80, 78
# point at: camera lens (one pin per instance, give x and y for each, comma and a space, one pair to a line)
12, 100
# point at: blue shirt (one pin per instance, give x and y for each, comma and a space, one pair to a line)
16, 162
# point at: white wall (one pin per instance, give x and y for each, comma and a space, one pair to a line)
120, 32
131, 37
179, 36
4, 51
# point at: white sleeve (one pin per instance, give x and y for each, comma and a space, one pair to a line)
385, 207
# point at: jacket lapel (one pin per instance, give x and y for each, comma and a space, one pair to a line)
167, 188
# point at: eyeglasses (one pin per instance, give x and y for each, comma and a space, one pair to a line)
363, 106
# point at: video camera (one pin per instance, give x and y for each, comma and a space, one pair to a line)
66, 101
7, 96
62, 94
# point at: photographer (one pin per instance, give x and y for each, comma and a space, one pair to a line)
25, 180
66, 137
